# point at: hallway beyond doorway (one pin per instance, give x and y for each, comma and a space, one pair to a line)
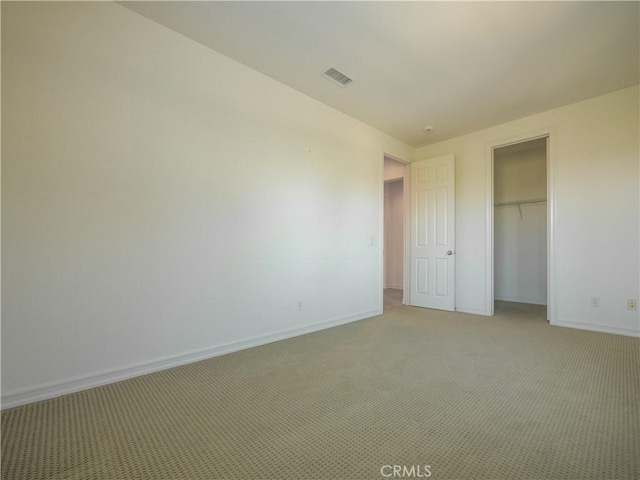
392, 298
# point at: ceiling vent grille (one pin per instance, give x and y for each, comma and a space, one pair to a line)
338, 77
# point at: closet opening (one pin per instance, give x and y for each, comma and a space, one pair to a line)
520, 227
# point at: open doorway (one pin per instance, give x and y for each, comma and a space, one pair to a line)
394, 232
520, 227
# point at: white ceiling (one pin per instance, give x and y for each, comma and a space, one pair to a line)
459, 66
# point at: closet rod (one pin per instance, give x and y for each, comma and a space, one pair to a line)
521, 202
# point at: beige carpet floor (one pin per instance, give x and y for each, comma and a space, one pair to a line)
470, 397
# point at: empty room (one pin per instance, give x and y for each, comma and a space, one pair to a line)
320, 240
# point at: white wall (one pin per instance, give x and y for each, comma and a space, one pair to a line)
520, 241
162, 203
394, 234
595, 161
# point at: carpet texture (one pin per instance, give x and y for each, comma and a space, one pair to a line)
470, 397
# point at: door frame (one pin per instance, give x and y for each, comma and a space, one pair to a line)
549, 133
406, 178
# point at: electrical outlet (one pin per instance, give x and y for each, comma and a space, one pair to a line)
595, 302
632, 304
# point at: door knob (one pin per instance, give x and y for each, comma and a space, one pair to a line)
449, 252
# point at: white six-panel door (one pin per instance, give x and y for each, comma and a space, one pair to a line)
433, 233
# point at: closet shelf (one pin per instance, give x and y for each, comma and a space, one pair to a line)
533, 201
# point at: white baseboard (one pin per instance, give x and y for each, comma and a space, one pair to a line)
53, 390
598, 328
532, 301
392, 287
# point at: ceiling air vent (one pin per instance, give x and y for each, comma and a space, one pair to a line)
338, 77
